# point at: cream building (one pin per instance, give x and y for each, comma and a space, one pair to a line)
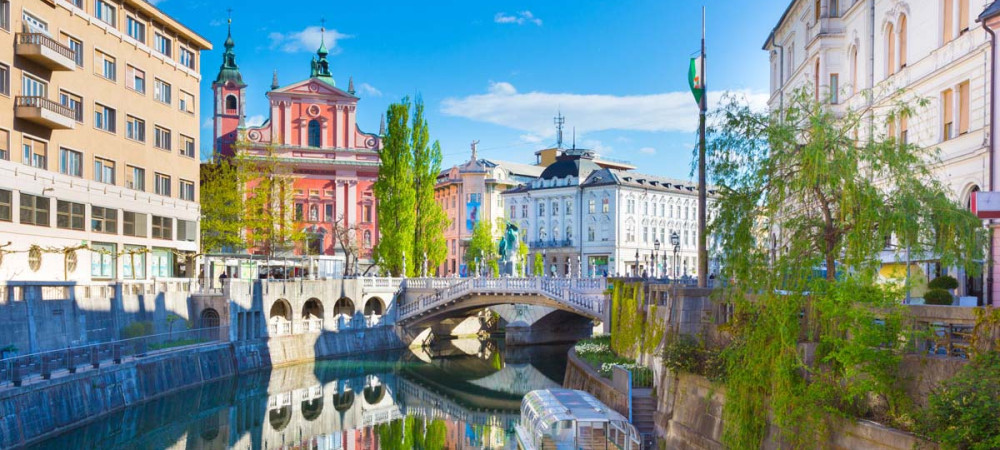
932, 49
98, 147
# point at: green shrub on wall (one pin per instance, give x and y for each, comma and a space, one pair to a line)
137, 329
943, 282
633, 331
938, 296
962, 412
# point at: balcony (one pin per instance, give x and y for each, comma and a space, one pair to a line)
44, 112
551, 243
46, 51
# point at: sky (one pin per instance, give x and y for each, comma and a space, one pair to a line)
499, 71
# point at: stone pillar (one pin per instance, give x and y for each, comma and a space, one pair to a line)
352, 202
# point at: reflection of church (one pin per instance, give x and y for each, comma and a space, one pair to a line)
312, 131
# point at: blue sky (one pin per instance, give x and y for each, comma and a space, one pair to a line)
498, 71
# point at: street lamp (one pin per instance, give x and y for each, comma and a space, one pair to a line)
635, 268
545, 262
676, 241
656, 248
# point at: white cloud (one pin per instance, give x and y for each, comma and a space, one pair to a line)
307, 40
255, 120
648, 150
207, 123
215, 23
592, 144
369, 90
532, 112
531, 138
520, 18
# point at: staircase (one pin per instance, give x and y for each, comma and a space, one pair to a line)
643, 407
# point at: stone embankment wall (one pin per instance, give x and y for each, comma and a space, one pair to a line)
580, 376
33, 412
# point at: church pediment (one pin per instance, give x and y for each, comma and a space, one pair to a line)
314, 87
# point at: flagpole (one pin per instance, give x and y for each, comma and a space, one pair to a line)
703, 107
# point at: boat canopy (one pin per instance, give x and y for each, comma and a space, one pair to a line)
565, 416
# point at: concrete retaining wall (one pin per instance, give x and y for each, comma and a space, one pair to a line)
31, 413
580, 376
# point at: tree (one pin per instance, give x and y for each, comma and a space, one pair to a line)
347, 238
271, 222
539, 266
221, 207
395, 192
430, 220
522, 258
482, 246
804, 212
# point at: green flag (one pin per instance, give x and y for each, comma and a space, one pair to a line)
696, 79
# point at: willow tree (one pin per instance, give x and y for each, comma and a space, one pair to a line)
806, 208
395, 192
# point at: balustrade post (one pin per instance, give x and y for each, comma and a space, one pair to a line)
46, 368
116, 353
16, 375
95, 356
70, 363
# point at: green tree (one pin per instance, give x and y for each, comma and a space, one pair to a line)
522, 258
221, 198
539, 266
962, 412
395, 192
803, 217
430, 221
482, 246
272, 224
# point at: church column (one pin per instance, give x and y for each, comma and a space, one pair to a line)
350, 127
352, 202
287, 126
341, 195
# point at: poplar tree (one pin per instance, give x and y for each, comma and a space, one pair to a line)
428, 236
396, 194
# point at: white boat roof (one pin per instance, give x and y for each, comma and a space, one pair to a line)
553, 405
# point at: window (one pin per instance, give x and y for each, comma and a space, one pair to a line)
834, 88
104, 118
135, 79
590, 233
135, 128
135, 178
162, 44
541, 209
963, 108
948, 20
77, 47
298, 212
903, 133
569, 207
591, 206
35, 153
161, 91
834, 7
187, 190
102, 260
6, 203
74, 102
163, 227
103, 220
34, 210
136, 29
4, 145
329, 212
33, 87
104, 12
33, 24
185, 102
104, 171
134, 262
134, 224
513, 211
367, 213
162, 184
854, 69
890, 50
524, 211
187, 58
230, 103
69, 215
187, 146
902, 41
187, 230
104, 65
162, 138
963, 16
947, 119
5, 14
4, 79
70, 162
605, 205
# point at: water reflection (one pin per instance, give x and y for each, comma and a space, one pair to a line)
466, 396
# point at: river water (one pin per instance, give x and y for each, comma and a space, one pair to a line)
461, 394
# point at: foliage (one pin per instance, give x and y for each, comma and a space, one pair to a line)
346, 236
684, 353
801, 194
938, 297
962, 412
221, 199
409, 433
394, 190
522, 258
538, 267
482, 246
269, 217
597, 353
494, 267
430, 221
634, 332
137, 329
945, 282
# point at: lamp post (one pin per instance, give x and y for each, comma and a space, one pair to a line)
656, 248
635, 268
545, 262
676, 241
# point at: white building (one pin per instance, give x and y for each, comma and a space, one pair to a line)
593, 220
930, 49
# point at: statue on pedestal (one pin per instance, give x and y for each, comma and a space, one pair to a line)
508, 250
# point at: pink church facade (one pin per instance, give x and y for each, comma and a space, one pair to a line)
312, 130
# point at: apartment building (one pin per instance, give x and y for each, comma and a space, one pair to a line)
98, 146
898, 50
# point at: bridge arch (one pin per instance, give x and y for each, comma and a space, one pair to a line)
312, 409
279, 418
209, 318
280, 310
344, 306
343, 401
312, 309
374, 306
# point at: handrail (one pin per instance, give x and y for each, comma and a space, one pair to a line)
44, 103
46, 41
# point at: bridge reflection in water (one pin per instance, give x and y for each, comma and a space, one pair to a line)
457, 400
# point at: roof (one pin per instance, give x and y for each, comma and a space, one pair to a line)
638, 180
519, 168
575, 166
555, 405
990, 11
781, 21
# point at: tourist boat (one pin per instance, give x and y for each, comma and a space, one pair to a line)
557, 419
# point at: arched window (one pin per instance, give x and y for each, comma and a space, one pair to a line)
569, 232
590, 233
902, 42
890, 50
854, 69
314, 133
230, 103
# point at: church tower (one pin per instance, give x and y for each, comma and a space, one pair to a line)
230, 100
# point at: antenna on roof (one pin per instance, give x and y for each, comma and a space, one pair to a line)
574, 138
474, 144
559, 121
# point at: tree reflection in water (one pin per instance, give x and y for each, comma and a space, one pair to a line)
412, 433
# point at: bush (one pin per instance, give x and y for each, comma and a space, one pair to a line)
137, 329
962, 413
943, 282
684, 353
938, 297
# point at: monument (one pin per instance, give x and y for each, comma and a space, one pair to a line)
508, 251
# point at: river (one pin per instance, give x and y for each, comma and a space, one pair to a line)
462, 394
